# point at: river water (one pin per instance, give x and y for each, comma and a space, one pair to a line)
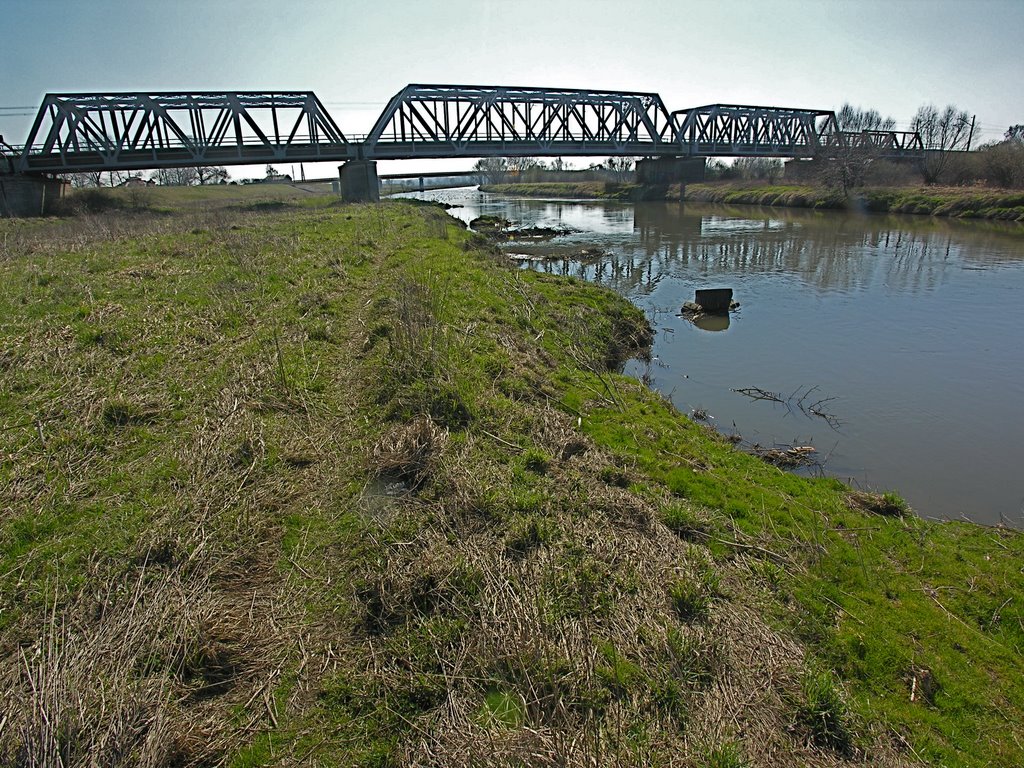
907, 331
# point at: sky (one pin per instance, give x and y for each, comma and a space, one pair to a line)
893, 56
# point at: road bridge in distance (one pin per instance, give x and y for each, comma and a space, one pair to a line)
90, 132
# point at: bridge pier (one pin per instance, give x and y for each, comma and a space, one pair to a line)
359, 183
29, 195
670, 170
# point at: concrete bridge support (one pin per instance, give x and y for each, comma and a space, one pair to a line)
29, 195
671, 170
359, 183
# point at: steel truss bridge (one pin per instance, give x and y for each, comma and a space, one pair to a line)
134, 131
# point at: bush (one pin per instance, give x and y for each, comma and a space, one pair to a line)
94, 200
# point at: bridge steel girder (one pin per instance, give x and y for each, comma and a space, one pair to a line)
479, 121
886, 143
135, 131
730, 130
132, 131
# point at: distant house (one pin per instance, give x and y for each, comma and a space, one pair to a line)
137, 181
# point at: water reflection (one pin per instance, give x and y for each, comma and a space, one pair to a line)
712, 322
911, 324
825, 256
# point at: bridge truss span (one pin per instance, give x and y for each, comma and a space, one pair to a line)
888, 143
746, 131
129, 131
475, 121
138, 131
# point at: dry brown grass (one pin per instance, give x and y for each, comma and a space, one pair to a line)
142, 656
537, 624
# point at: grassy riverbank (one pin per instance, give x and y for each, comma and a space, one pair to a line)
336, 484
957, 202
961, 202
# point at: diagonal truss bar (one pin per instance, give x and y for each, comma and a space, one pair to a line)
752, 131
473, 121
125, 131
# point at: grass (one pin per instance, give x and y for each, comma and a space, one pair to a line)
824, 713
725, 756
336, 483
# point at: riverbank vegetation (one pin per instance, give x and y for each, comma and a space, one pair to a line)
962, 202
310, 482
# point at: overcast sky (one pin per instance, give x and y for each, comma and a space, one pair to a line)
893, 56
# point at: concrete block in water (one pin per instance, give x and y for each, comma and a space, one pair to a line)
715, 300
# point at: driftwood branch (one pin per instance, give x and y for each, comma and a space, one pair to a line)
804, 400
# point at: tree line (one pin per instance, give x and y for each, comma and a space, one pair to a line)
951, 151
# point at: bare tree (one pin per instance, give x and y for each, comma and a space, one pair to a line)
942, 132
852, 118
621, 167
758, 168
491, 170
211, 174
84, 179
848, 167
523, 165
175, 177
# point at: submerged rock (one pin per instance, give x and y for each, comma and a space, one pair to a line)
489, 225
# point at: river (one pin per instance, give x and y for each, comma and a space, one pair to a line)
907, 331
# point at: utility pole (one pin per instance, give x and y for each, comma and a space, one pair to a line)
970, 136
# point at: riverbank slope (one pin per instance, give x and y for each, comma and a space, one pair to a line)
316, 482
962, 202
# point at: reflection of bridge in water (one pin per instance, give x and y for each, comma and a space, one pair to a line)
134, 131
697, 242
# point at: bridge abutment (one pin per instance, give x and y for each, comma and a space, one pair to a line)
671, 170
29, 195
358, 181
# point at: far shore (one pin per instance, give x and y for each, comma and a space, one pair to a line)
959, 202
